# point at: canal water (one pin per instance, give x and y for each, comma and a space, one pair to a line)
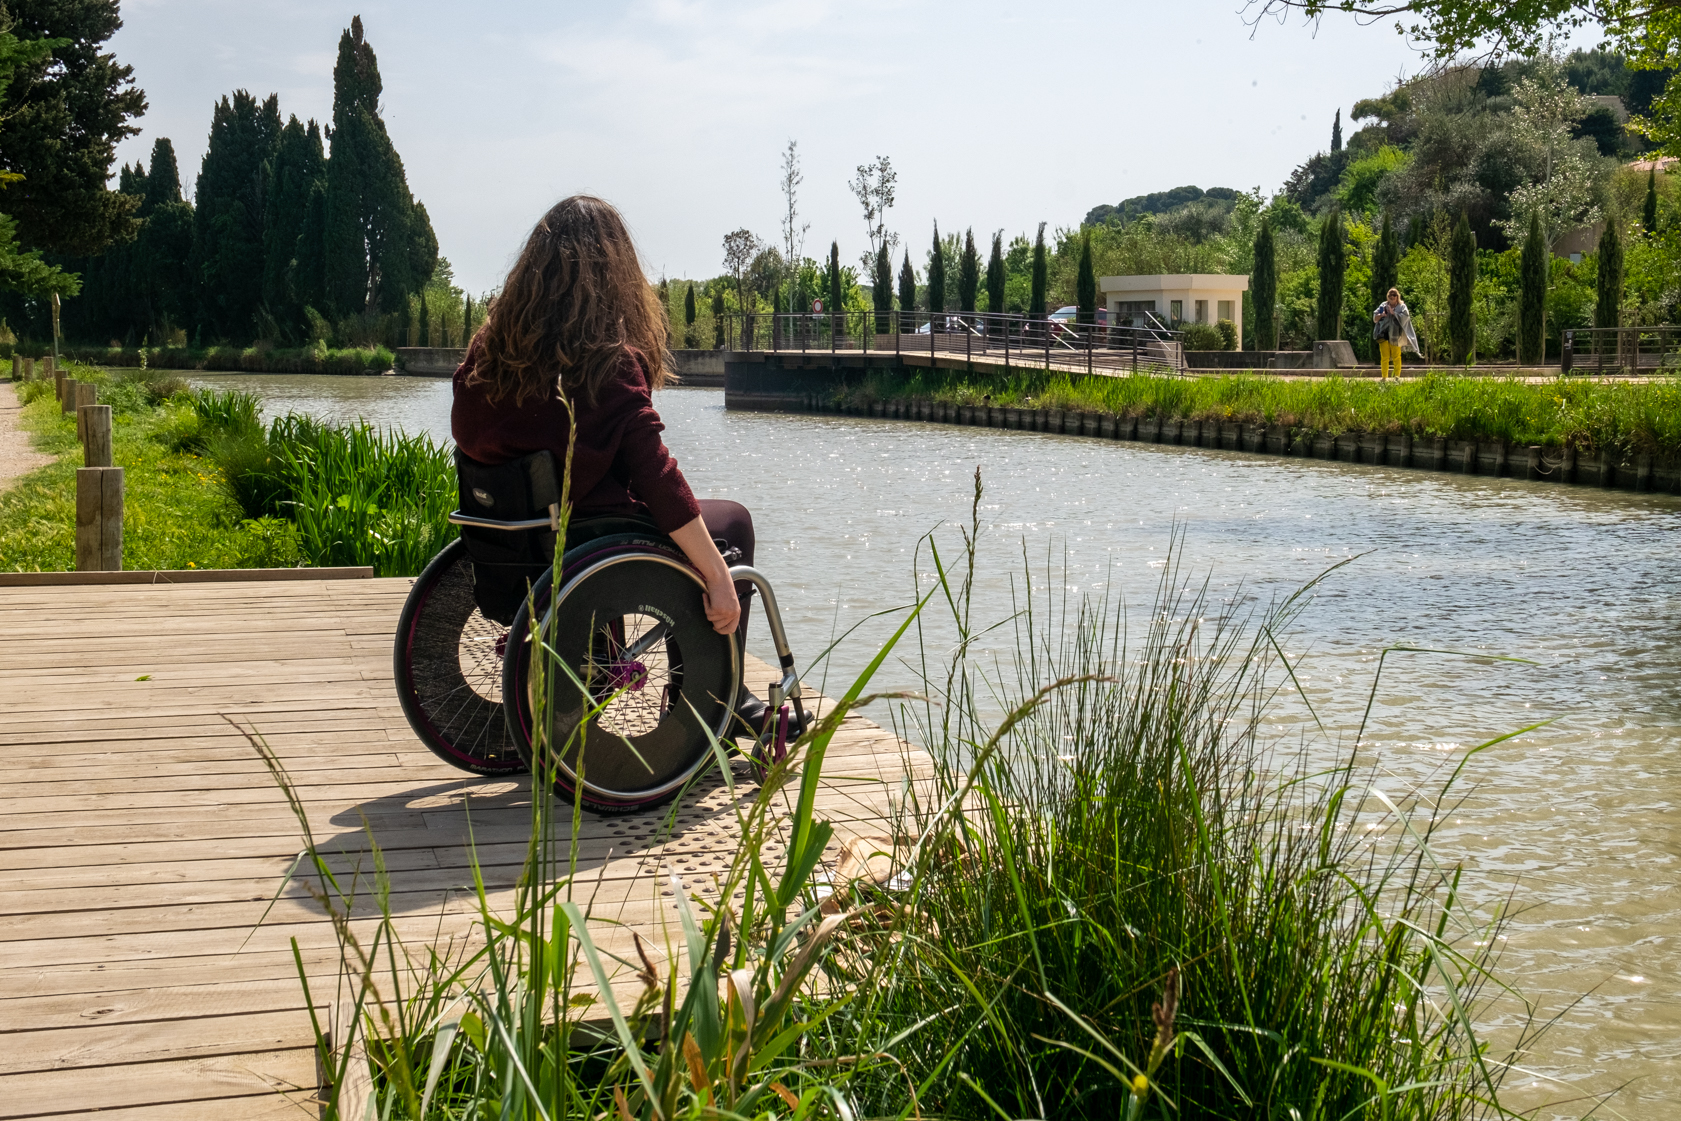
1576, 820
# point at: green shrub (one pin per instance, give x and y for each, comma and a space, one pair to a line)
1228, 334
1203, 336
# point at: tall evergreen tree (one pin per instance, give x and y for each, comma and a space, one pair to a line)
228, 218
936, 279
66, 109
881, 290
1085, 284
907, 293
1263, 286
424, 336
1649, 212
1462, 284
837, 302
717, 319
1333, 264
467, 318
162, 272
1386, 262
309, 267
995, 276
1036, 296
1607, 312
379, 241
1532, 296
299, 167
1336, 132
689, 316
968, 273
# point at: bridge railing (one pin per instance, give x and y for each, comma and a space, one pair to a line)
1010, 340
1607, 351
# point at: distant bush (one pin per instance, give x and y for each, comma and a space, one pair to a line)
1228, 334
1203, 336
254, 359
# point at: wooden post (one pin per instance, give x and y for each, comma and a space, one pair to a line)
95, 423
29, 369
67, 396
85, 395
17, 368
99, 519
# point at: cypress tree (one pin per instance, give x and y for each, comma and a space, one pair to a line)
425, 323
1607, 311
936, 279
1085, 285
881, 289
299, 166
717, 319
837, 305
689, 317
995, 276
227, 259
968, 273
1036, 297
1462, 283
1649, 212
467, 319
1263, 286
1336, 132
1333, 264
1386, 262
380, 244
309, 267
163, 255
1532, 296
907, 292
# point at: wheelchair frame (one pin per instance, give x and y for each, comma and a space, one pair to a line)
784, 692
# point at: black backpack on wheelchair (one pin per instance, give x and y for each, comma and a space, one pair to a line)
640, 682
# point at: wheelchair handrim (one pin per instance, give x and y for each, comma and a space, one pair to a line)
653, 793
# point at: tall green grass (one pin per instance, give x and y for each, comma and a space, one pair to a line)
1621, 415
1115, 899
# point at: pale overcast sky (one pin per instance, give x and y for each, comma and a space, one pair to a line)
995, 115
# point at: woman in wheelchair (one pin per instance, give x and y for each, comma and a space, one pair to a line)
577, 324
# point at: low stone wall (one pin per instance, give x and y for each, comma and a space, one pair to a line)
1249, 359
430, 361
1534, 462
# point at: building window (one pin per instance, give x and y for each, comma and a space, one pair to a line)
1225, 310
1176, 309
1202, 311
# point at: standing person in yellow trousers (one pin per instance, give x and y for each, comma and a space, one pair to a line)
1392, 327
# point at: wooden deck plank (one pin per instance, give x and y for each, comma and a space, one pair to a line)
147, 968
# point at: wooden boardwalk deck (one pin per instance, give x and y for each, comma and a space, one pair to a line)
142, 840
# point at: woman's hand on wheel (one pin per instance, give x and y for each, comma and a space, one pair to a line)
723, 609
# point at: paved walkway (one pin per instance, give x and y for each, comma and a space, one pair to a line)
142, 973
17, 456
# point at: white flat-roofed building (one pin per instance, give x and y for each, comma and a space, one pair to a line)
1175, 298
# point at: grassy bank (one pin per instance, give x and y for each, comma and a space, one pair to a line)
176, 509
1117, 902
1567, 413
209, 485
318, 359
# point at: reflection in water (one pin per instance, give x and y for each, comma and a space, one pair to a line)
1578, 582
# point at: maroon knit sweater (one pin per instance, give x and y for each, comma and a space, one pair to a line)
619, 464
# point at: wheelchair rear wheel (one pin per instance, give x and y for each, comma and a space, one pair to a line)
448, 667
649, 676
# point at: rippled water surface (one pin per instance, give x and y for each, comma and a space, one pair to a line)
1578, 815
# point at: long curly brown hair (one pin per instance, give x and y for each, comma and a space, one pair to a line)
572, 305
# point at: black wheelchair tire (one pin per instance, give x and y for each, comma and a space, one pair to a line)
441, 628
618, 573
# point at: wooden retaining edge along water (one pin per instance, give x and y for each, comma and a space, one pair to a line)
1538, 463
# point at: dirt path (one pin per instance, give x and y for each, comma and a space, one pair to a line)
17, 457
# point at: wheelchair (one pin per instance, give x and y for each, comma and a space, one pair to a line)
651, 684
